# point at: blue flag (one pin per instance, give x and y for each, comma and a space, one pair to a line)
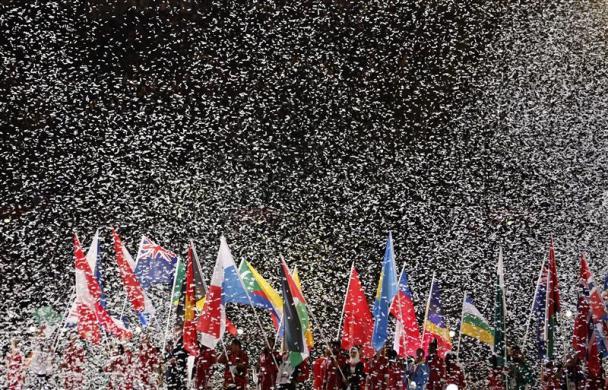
387, 289
155, 264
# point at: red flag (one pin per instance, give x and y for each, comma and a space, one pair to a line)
190, 341
407, 335
132, 286
553, 302
89, 310
580, 335
358, 323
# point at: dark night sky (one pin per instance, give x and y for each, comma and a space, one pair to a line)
307, 131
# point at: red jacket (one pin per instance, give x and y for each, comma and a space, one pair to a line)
203, 364
240, 362
332, 379
268, 369
436, 372
376, 373
454, 375
394, 376
318, 373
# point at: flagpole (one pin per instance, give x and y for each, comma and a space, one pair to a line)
540, 275
170, 304
65, 319
352, 267
426, 310
464, 299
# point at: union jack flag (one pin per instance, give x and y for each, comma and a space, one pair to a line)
155, 264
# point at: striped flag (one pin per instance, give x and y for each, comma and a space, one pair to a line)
295, 318
474, 324
435, 326
407, 334
262, 294
189, 333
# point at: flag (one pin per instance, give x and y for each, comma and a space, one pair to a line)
295, 318
95, 264
308, 331
88, 310
154, 264
189, 333
180, 277
500, 311
435, 326
407, 334
387, 289
597, 310
552, 303
582, 325
135, 293
474, 324
200, 285
260, 291
358, 322
212, 320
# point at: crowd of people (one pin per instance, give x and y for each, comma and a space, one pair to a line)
143, 365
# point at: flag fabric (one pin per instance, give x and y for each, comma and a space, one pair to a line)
358, 322
212, 321
262, 294
295, 318
435, 326
200, 286
154, 264
189, 326
538, 312
95, 264
552, 303
136, 295
308, 331
180, 277
386, 291
500, 311
88, 310
474, 324
597, 310
407, 333
582, 326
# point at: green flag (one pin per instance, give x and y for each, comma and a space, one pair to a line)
500, 347
46, 315
180, 276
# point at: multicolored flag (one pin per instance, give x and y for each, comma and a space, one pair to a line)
407, 334
260, 291
140, 302
308, 331
189, 329
597, 309
154, 264
180, 277
552, 303
387, 289
435, 326
358, 322
500, 311
295, 318
474, 324
212, 321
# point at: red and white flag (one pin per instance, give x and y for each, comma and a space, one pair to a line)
212, 321
140, 302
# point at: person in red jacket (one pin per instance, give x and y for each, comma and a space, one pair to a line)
318, 370
376, 371
203, 365
73, 362
149, 363
551, 378
394, 372
436, 368
267, 366
236, 366
334, 377
453, 372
